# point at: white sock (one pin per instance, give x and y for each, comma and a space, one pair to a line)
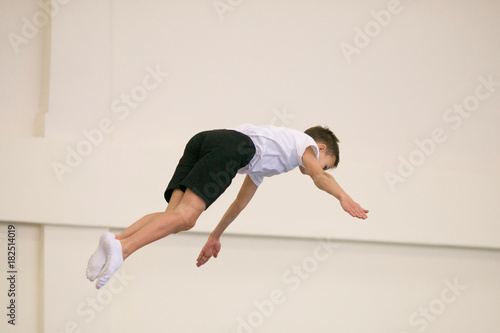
98, 259
114, 259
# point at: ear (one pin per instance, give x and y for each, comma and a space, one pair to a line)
321, 146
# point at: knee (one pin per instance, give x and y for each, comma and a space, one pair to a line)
189, 223
186, 222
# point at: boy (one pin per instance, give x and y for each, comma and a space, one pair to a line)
210, 161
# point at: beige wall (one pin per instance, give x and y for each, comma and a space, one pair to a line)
120, 87
125, 84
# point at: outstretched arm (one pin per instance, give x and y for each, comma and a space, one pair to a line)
212, 247
325, 181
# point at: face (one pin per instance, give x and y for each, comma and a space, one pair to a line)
326, 161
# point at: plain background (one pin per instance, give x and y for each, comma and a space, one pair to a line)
78, 95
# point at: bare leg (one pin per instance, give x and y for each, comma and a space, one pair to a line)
175, 199
174, 202
136, 226
98, 260
182, 217
151, 228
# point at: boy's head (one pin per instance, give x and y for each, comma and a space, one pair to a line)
327, 143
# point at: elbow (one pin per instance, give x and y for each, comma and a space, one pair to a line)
238, 206
320, 181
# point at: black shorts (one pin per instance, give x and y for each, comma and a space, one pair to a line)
210, 161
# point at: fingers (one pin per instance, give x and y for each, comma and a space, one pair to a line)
361, 214
203, 258
354, 209
358, 212
216, 251
210, 249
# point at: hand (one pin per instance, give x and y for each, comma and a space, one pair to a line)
353, 208
211, 248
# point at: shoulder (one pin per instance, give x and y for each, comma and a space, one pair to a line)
309, 154
310, 163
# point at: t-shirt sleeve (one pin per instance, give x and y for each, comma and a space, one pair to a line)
257, 180
303, 142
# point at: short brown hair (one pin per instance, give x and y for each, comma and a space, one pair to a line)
326, 136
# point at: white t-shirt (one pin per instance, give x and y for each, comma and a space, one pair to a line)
278, 150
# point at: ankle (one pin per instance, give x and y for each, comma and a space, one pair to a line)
125, 249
